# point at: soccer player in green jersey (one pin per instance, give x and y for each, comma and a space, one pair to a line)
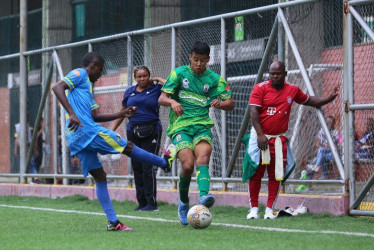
190, 91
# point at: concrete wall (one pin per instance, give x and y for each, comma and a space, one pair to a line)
335, 205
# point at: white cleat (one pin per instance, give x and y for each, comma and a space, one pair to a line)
269, 215
253, 214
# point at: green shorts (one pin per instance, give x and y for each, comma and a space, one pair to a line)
190, 136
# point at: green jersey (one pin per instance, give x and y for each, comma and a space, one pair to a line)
194, 92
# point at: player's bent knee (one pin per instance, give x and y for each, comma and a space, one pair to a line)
99, 174
188, 169
129, 148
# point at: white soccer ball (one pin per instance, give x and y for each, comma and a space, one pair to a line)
199, 217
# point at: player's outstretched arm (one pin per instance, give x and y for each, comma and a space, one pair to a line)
59, 90
227, 104
317, 101
105, 117
119, 120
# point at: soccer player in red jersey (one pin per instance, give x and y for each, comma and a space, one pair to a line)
270, 106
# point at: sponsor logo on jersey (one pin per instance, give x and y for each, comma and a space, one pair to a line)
118, 137
289, 100
186, 95
206, 88
271, 111
185, 83
178, 138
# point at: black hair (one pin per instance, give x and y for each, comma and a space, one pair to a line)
142, 67
201, 48
92, 57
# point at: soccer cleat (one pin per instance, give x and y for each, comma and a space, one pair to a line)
138, 208
269, 215
182, 212
149, 208
206, 200
169, 156
253, 214
118, 226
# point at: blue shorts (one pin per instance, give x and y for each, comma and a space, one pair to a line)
105, 142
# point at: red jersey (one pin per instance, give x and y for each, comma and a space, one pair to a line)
275, 105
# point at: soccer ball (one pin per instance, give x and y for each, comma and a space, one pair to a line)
199, 217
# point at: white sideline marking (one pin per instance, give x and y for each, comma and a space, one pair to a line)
275, 229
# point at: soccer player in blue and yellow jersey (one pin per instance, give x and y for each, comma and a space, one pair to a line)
86, 137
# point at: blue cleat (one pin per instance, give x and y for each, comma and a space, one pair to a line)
182, 212
206, 200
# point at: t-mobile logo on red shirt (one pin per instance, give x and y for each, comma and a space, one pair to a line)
271, 111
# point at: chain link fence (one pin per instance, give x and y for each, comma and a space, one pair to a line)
317, 32
363, 84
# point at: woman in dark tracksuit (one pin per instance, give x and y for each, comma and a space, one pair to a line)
144, 130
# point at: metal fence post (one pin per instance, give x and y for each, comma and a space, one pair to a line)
129, 82
223, 113
348, 99
23, 116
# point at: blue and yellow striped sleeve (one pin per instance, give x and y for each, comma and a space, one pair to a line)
73, 78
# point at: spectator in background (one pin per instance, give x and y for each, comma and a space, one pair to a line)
364, 147
145, 130
32, 167
75, 168
270, 107
324, 154
39, 145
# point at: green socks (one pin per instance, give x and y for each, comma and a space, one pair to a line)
203, 179
184, 186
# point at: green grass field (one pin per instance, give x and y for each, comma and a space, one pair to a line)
78, 223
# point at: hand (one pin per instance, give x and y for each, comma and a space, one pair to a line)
130, 111
262, 142
216, 104
74, 122
177, 108
335, 93
152, 81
